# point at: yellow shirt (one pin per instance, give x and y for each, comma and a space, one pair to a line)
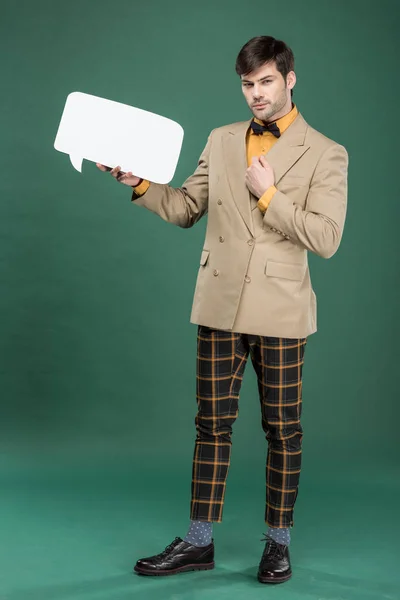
261, 144
256, 146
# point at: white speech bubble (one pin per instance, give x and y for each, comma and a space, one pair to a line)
112, 133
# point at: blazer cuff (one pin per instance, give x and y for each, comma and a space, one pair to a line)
266, 198
141, 189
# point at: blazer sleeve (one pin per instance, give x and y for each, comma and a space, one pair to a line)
182, 206
319, 226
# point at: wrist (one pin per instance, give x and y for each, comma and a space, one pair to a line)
264, 190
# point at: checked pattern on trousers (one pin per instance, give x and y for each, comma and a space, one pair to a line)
278, 363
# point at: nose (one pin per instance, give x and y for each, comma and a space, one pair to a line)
256, 92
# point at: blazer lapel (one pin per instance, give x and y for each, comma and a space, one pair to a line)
288, 149
234, 146
283, 155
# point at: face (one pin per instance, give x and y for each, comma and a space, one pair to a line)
267, 93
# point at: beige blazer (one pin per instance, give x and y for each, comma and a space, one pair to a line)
253, 274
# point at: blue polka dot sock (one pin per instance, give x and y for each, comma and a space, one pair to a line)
199, 534
280, 535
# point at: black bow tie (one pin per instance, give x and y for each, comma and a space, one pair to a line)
259, 129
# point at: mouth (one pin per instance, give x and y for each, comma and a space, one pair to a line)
259, 105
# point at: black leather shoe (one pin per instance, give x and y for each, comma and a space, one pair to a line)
178, 557
275, 563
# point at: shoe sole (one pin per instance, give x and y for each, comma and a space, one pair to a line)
205, 567
274, 579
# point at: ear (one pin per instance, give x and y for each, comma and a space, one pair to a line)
291, 80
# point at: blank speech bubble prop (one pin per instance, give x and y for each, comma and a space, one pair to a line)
112, 133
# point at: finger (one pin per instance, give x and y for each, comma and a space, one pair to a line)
257, 167
121, 176
103, 167
115, 171
264, 161
254, 160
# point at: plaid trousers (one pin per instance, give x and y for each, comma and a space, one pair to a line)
278, 363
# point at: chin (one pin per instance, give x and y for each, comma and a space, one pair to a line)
262, 115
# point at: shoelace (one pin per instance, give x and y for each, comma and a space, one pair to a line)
272, 548
167, 549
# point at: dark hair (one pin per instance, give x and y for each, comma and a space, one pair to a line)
265, 49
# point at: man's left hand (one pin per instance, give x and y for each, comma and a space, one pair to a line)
259, 176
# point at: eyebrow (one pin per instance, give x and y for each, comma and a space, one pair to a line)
259, 80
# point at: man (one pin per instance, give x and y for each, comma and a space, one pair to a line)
274, 188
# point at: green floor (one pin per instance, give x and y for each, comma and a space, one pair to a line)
75, 531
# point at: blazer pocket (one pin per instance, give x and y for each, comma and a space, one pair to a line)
296, 185
204, 257
285, 270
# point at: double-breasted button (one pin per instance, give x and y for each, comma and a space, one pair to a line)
247, 279
250, 242
221, 239
219, 201
215, 272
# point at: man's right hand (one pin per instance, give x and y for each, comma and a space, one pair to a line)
125, 178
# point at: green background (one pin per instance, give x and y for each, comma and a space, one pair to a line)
97, 366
